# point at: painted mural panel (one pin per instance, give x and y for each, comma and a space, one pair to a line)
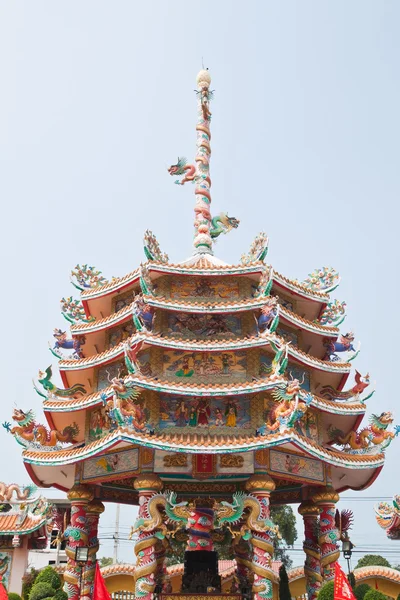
295, 466
111, 464
288, 336
204, 288
5, 568
99, 424
120, 334
204, 366
216, 414
203, 325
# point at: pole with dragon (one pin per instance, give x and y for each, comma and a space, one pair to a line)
206, 227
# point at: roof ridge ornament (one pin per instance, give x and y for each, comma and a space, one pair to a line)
206, 227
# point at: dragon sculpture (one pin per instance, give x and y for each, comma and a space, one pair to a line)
290, 408
124, 409
388, 517
146, 284
131, 356
207, 228
354, 393
45, 380
375, 434
7, 492
73, 311
28, 432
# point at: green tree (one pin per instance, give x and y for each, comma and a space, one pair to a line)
284, 589
372, 560
361, 590
327, 591
49, 575
47, 586
13, 596
106, 561
284, 517
27, 582
374, 595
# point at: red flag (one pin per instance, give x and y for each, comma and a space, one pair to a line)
100, 592
342, 588
3, 591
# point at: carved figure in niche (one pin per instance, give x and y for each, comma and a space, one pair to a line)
203, 412
98, 423
219, 418
203, 288
226, 363
193, 417
231, 413
181, 414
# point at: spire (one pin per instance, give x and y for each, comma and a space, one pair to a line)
202, 214
206, 228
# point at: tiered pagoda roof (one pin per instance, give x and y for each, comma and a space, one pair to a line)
204, 358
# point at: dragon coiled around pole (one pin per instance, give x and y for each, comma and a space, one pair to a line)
206, 227
259, 530
312, 564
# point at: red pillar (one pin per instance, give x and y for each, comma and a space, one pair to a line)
260, 486
76, 534
328, 534
146, 548
312, 564
93, 511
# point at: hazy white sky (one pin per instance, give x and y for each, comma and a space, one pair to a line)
97, 100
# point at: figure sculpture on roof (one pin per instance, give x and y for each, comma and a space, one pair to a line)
279, 362
268, 320
355, 392
343, 344
143, 314
152, 248
63, 341
45, 380
265, 284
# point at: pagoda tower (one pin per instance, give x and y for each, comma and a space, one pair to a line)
204, 393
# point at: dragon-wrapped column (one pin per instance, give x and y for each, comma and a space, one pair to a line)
148, 559
328, 533
93, 511
260, 486
312, 564
200, 525
76, 534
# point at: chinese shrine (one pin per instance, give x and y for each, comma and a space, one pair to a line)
388, 517
204, 392
26, 522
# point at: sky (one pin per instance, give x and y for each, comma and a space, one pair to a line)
97, 101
